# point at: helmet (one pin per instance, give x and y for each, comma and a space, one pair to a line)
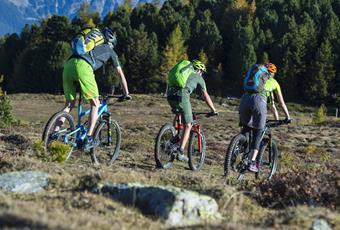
271, 67
110, 36
198, 65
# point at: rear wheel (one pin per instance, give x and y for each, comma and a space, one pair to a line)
196, 150
163, 147
234, 156
108, 135
268, 159
59, 129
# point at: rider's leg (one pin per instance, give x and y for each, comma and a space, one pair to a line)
187, 120
68, 107
69, 78
259, 117
255, 144
186, 135
93, 115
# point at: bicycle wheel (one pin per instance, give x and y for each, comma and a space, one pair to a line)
58, 129
234, 156
164, 146
196, 153
108, 135
268, 159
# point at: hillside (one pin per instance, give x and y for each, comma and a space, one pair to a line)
305, 188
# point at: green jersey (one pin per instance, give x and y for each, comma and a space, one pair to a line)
271, 86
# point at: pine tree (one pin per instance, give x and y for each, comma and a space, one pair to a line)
174, 51
142, 59
242, 55
6, 118
323, 73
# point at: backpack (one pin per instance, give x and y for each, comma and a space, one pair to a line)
255, 79
86, 41
180, 73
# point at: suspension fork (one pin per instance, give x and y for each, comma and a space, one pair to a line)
197, 129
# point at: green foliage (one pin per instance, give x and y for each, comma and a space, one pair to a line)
319, 115
6, 118
142, 58
56, 151
300, 37
173, 52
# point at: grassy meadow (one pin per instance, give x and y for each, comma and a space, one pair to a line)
306, 187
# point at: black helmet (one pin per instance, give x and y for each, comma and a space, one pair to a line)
110, 36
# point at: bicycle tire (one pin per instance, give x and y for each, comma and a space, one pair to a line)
163, 146
235, 150
268, 160
106, 133
50, 135
193, 151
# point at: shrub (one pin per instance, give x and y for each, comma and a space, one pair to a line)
320, 114
6, 118
56, 151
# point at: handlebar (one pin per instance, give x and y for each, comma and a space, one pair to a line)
207, 114
276, 123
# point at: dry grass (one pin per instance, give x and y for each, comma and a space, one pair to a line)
68, 203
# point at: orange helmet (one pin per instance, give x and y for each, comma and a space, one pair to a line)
271, 67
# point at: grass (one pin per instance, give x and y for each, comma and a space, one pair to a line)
69, 204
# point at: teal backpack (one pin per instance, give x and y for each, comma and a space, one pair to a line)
255, 79
180, 73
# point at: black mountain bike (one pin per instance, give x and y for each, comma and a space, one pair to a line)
238, 157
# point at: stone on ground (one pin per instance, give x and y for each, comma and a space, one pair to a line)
177, 207
23, 181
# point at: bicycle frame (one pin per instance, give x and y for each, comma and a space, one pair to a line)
81, 130
195, 128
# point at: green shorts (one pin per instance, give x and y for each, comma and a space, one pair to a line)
184, 106
78, 70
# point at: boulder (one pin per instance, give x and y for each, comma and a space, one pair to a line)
320, 224
177, 207
23, 181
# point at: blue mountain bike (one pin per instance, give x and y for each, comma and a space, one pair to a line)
61, 127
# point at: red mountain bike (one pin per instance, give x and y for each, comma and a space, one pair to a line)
169, 137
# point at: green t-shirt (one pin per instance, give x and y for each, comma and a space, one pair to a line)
194, 80
271, 86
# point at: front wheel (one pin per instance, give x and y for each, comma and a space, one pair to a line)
233, 161
59, 129
268, 159
196, 150
164, 146
108, 136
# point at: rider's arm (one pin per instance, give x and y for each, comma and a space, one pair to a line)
274, 110
116, 65
122, 80
282, 103
208, 100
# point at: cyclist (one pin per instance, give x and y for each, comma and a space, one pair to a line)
179, 99
253, 111
80, 68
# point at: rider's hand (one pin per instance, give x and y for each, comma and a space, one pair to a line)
124, 98
214, 113
288, 120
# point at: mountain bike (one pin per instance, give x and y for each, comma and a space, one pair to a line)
62, 128
168, 141
238, 157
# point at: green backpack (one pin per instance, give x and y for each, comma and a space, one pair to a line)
179, 74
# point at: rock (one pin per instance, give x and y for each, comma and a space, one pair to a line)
177, 207
320, 224
23, 181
